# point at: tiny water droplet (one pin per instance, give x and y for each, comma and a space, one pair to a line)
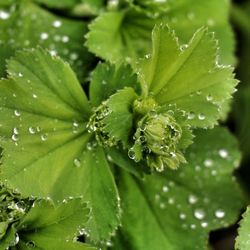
131, 154
191, 115
14, 137
223, 153
17, 113
165, 189
182, 216
204, 224
57, 23
219, 213
209, 98
34, 96
44, 137
77, 162
44, 36
201, 116
208, 163
192, 199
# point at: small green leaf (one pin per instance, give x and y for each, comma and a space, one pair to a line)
108, 78
113, 120
126, 34
188, 77
46, 226
44, 112
243, 239
174, 208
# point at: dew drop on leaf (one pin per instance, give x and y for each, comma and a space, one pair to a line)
165, 189
44, 137
17, 113
201, 116
192, 199
199, 214
44, 36
30, 244
219, 214
208, 163
57, 23
182, 216
4, 15
77, 162
223, 153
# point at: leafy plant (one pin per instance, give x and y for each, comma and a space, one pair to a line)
119, 147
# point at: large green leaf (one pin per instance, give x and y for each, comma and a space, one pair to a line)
189, 77
243, 239
176, 210
47, 152
127, 32
29, 25
49, 227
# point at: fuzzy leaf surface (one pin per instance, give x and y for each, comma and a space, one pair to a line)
43, 132
188, 77
174, 208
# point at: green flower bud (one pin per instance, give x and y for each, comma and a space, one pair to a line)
157, 139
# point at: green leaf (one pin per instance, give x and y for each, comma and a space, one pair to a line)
126, 34
187, 76
243, 239
62, 4
47, 226
113, 120
43, 128
108, 78
30, 26
6, 51
175, 208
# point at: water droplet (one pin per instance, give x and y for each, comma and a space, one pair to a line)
34, 96
44, 36
204, 224
192, 199
77, 162
190, 15
15, 241
208, 163
219, 213
197, 168
14, 137
73, 56
104, 82
165, 189
44, 137
57, 23
17, 113
53, 52
209, 98
199, 214
183, 47
191, 115
20, 74
182, 216
65, 39
4, 15
223, 153
171, 201
201, 116
210, 22
15, 131
192, 226
131, 154
162, 205
30, 244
